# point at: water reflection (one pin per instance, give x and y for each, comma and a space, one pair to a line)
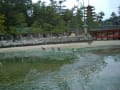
110, 76
80, 70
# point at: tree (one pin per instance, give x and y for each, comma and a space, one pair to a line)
114, 18
100, 16
60, 3
9, 8
119, 15
76, 22
79, 16
2, 27
113, 15
59, 28
60, 6
119, 10
20, 20
53, 3
67, 16
45, 17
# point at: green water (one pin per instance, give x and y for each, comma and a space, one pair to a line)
84, 69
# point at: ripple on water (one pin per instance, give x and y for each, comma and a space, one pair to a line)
88, 71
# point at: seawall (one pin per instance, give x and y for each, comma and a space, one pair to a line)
66, 45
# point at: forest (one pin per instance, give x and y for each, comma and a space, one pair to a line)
24, 16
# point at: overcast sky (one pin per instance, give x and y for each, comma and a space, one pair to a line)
107, 6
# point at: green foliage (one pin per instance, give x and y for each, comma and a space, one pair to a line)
36, 24
100, 16
2, 27
15, 12
67, 15
60, 27
13, 30
23, 16
47, 27
37, 30
113, 20
20, 20
79, 22
23, 30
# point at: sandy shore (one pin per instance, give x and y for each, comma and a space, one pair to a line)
67, 45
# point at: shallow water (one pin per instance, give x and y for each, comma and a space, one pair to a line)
84, 69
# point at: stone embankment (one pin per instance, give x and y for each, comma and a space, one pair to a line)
113, 43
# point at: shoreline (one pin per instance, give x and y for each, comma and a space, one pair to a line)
66, 45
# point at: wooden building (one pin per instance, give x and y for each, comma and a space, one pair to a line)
106, 33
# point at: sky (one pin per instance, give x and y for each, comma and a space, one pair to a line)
107, 6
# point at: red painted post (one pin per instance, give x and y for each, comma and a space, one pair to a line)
101, 36
107, 35
112, 35
119, 34
96, 35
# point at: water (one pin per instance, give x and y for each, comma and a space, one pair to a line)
85, 69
